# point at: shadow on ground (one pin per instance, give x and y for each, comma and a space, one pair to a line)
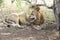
28, 33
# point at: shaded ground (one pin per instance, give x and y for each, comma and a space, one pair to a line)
28, 33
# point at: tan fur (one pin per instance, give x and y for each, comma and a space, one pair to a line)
23, 18
17, 18
39, 15
13, 17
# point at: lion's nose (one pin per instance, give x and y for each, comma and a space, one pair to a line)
32, 17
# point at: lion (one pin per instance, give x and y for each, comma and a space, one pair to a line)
35, 17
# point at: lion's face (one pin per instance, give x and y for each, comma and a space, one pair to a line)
32, 16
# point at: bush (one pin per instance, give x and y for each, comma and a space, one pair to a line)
1, 1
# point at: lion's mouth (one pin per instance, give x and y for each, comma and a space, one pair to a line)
32, 18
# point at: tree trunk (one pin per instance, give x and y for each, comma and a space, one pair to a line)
57, 12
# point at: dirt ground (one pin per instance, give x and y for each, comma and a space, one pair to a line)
28, 33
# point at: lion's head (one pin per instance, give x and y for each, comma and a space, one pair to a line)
36, 15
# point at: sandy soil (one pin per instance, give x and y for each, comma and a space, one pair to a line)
28, 33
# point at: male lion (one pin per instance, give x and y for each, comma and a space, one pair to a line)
35, 17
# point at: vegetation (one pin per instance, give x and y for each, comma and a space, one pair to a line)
1, 1
18, 3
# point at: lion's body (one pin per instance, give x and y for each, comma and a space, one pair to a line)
22, 18
17, 18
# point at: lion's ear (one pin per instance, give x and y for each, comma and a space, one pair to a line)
36, 8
